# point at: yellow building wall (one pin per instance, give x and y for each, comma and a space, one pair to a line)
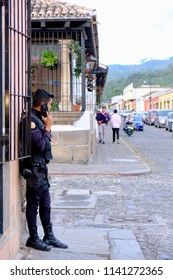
128, 105
165, 101
128, 93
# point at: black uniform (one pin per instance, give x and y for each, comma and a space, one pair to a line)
38, 185
37, 194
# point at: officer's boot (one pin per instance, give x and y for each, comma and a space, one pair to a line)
35, 242
50, 239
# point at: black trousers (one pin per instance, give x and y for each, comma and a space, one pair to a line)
115, 131
38, 199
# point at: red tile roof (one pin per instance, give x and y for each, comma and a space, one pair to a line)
54, 8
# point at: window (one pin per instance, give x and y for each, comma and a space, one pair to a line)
65, 78
14, 90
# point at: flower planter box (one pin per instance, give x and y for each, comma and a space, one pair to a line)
76, 108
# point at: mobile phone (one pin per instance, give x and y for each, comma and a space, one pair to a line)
44, 109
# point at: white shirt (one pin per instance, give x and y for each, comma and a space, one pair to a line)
115, 121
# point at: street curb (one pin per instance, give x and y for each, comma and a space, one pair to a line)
128, 173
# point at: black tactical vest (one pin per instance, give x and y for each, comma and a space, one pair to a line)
46, 155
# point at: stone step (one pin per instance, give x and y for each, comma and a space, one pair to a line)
66, 118
124, 245
87, 244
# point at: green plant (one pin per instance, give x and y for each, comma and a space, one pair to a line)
34, 67
78, 68
78, 101
49, 58
54, 106
75, 47
76, 51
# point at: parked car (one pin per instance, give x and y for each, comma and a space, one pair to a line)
125, 113
110, 112
119, 112
143, 116
150, 117
160, 117
138, 124
169, 121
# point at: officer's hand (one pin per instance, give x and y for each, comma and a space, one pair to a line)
48, 121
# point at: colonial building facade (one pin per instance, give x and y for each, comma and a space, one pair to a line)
15, 98
29, 32
144, 98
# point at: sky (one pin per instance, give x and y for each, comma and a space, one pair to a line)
131, 31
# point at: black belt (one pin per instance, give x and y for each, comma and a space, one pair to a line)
38, 163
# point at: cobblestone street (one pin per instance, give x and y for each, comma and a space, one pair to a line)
141, 203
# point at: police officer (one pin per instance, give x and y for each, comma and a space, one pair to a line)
37, 194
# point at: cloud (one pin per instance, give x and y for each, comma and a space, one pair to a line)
131, 30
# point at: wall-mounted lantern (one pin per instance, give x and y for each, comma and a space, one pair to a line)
92, 61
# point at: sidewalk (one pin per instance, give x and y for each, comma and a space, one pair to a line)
94, 242
108, 159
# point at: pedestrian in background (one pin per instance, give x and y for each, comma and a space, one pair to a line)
115, 123
102, 119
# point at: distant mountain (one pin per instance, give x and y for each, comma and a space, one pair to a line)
117, 70
156, 72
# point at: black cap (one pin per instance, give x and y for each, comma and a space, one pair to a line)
43, 93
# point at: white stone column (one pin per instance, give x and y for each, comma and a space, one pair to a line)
65, 104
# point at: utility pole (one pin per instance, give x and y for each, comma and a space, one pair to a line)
150, 93
150, 105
